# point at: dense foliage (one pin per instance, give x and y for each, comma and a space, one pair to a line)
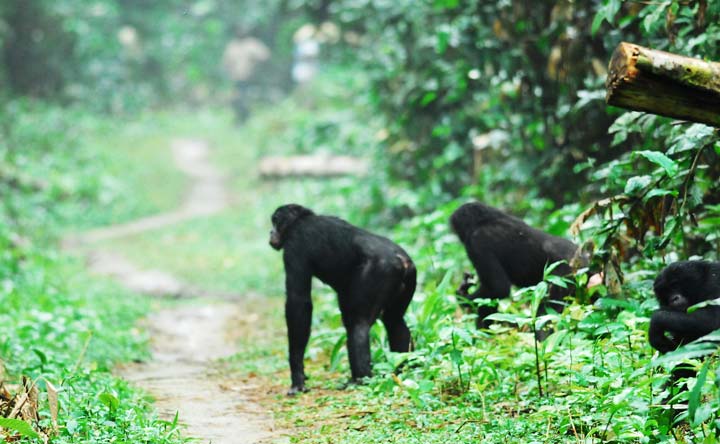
522, 82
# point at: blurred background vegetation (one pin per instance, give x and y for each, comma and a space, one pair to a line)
499, 101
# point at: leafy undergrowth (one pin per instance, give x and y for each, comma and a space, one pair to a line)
64, 331
465, 385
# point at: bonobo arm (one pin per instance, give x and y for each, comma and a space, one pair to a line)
298, 315
494, 282
683, 327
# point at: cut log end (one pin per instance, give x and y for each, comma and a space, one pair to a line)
621, 69
662, 83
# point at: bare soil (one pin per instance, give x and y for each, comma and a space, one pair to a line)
184, 375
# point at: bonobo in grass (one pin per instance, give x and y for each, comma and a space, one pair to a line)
372, 276
506, 251
679, 286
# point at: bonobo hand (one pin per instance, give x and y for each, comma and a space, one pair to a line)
467, 282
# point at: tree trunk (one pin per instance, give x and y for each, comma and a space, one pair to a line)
659, 82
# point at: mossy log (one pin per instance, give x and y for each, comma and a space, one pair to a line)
663, 83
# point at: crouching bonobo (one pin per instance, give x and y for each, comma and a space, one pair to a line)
505, 251
372, 276
679, 286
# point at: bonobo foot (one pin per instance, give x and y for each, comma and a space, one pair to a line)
351, 383
295, 390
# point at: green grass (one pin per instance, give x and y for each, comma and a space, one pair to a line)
129, 165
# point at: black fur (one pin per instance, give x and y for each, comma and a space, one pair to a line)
679, 286
372, 276
505, 251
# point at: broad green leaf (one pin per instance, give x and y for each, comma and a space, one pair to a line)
429, 97
597, 21
109, 400
658, 192
443, 37
558, 281
19, 426
456, 356
605, 13
696, 392
507, 317
658, 158
41, 355
464, 335
637, 184
690, 351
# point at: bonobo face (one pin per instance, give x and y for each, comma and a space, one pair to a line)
275, 239
677, 286
276, 234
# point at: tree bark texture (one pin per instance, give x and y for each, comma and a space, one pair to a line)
663, 83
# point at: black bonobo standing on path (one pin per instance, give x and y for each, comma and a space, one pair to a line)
679, 286
506, 251
372, 276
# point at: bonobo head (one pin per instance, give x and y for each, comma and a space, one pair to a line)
465, 220
683, 284
282, 219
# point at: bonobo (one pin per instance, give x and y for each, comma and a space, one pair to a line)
679, 286
506, 251
372, 276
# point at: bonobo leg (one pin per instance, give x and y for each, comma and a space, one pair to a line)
397, 330
495, 285
298, 314
394, 312
358, 344
374, 290
357, 319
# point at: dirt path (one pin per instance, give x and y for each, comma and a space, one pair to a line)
183, 375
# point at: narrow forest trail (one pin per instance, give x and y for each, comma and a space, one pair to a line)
184, 375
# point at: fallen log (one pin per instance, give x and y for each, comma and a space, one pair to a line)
663, 83
314, 165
